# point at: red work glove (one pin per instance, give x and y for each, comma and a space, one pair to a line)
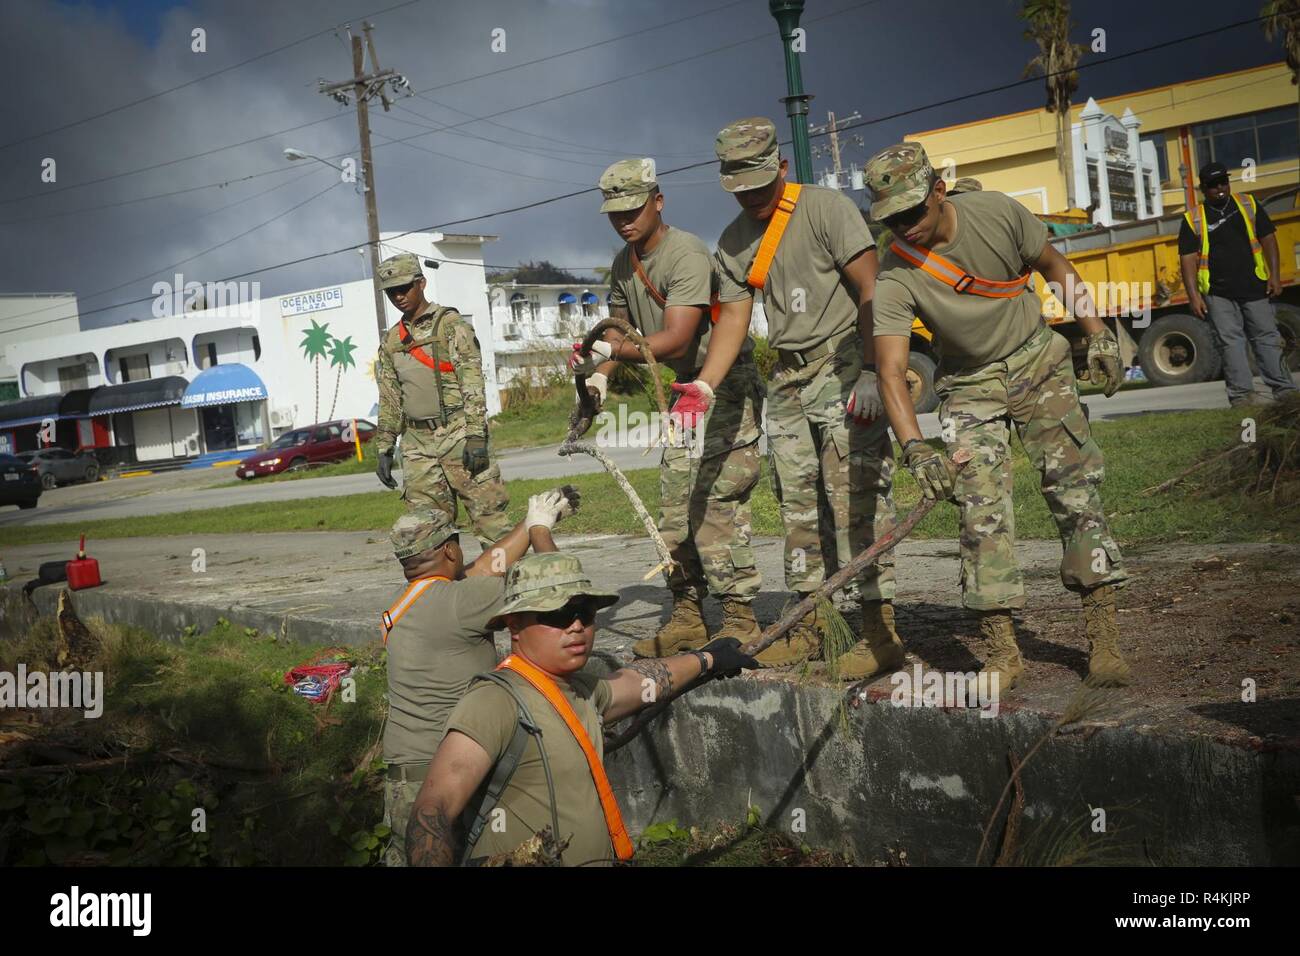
696, 398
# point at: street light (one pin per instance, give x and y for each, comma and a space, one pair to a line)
295, 154
787, 13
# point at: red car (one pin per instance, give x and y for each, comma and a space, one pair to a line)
303, 447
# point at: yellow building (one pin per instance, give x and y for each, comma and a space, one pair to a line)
1246, 120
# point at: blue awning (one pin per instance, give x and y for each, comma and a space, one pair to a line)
590, 298
567, 298
224, 385
30, 411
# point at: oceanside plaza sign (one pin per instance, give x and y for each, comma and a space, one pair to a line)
303, 303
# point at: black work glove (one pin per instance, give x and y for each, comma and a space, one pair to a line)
475, 458
384, 468
728, 659
574, 496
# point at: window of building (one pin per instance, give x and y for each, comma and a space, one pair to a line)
1265, 137
212, 354
72, 376
133, 368
257, 348
1162, 153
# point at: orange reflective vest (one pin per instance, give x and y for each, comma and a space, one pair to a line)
545, 685
757, 277
957, 278
1200, 227
414, 591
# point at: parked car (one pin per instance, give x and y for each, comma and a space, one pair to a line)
58, 466
301, 448
20, 483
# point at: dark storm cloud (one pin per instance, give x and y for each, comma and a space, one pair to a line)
70, 61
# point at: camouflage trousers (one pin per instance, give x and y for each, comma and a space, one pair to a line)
399, 797
704, 490
434, 476
833, 479
1034, 389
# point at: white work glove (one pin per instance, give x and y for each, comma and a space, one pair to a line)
580, 364
548, 508
864, 401
600, 385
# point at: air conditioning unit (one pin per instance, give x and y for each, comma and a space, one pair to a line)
510, 331
281, 418
192, 445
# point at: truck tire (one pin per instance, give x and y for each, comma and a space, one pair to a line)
1179, 349
920, 382
1288, 324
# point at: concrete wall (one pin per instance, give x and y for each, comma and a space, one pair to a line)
31, 318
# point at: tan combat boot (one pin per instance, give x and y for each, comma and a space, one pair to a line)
738, 621
684, 631
1106, 665
880, 648
799, 644
999, 635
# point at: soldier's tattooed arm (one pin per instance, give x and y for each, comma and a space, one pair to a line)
457, 770
645, 682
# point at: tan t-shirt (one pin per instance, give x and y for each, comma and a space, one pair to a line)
682, 270
436, 647
488, 716
996, 239
806, 299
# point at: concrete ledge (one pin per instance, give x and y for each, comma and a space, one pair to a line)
926, 780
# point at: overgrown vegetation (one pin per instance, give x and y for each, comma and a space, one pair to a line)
202, 756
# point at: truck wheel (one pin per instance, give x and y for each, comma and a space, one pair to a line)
920, 382
1288, 323
1179, 350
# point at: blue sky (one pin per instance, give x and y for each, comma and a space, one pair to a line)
110, 225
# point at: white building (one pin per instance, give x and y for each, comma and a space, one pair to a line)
27, 318
535, 325
232, 373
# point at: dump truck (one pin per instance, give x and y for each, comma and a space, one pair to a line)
1157, 327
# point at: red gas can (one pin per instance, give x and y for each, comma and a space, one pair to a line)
83, 572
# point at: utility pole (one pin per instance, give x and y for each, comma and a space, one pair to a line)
833, 128
365, 87
793, 41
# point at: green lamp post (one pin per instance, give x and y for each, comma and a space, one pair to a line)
787, 13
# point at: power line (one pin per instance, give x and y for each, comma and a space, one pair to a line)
197, 79
553, 199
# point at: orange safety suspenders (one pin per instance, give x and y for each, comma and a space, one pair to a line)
957, 278
409, 597
545, 685
772, 236
658, 296
419, 354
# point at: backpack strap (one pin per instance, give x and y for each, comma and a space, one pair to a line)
434, 362
506, 766
655, 294
757, 277
414, 591
957, 278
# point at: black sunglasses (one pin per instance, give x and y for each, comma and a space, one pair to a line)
401, 289
908, 218
562, 617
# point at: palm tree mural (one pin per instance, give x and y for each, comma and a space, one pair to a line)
340, 357
1049, 27
314, 345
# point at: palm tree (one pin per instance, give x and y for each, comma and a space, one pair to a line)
1282, 19
340, 357
1049, 27
315, 343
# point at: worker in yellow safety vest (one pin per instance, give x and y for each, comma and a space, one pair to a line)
1228, 252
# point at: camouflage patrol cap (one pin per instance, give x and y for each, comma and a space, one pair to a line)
899, 178
748, 152
418, 531
399, 269
627, 184
546, 582
965, 185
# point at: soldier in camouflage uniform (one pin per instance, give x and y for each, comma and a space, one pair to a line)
707, 476
431, 393
965, 185
999, 366
832, 461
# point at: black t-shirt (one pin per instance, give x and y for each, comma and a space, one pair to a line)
1232, 268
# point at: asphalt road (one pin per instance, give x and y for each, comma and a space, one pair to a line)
192, 490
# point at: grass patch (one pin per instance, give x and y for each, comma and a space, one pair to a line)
1140, 452
206, 723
